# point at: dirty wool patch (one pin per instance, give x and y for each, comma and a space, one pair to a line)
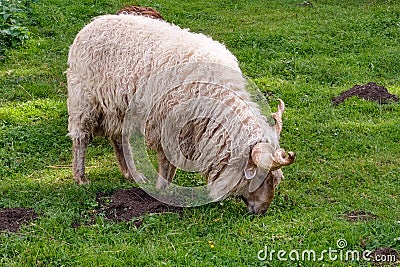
131, 204
370, 91
355, 216
12, 219
385, 257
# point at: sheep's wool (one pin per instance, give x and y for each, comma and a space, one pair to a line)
113, 58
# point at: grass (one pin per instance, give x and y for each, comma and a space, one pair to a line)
348, 156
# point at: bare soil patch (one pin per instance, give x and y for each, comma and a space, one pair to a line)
131, 204
356, 216
11, 219
370, 91
385, 257
141, 11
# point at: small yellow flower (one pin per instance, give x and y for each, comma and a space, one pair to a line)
211, 244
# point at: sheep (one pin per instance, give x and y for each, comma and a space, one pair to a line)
151, 70
140, 10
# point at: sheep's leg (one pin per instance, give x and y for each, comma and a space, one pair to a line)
166, 171
119, 153
79, 146
123, 163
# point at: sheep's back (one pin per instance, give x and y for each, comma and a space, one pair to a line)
112, 53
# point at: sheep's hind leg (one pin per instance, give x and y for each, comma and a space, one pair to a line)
123, 163
166, 171
79, 146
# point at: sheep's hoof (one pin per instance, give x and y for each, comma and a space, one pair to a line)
139, 178
81, 180
162, 183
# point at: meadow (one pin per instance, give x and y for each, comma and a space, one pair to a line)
348, 156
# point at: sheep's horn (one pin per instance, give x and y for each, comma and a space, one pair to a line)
281, 158
278, 116
264, 156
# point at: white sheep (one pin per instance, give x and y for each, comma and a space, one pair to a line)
113, 65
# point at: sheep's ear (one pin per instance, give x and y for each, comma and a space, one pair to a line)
250, 170
256, 182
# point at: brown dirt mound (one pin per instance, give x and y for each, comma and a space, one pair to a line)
385, 257
370, 91
355, 216
12, 219
127, 204
141, 11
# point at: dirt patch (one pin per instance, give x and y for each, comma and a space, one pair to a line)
131, 204
356, 216
385, 257
141, 11
12, 219
370, 91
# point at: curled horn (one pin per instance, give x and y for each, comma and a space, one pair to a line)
264, 156
281, 158
278, 116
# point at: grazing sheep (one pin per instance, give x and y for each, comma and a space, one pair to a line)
140, 10
121, 61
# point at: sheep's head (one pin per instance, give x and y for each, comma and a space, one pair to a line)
263, 170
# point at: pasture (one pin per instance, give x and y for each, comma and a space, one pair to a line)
342, 192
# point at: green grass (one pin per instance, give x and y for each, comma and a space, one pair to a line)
348, 156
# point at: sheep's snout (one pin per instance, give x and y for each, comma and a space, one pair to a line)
259, 201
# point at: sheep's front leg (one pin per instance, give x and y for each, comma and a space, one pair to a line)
79, 146
124, 163
166, 171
